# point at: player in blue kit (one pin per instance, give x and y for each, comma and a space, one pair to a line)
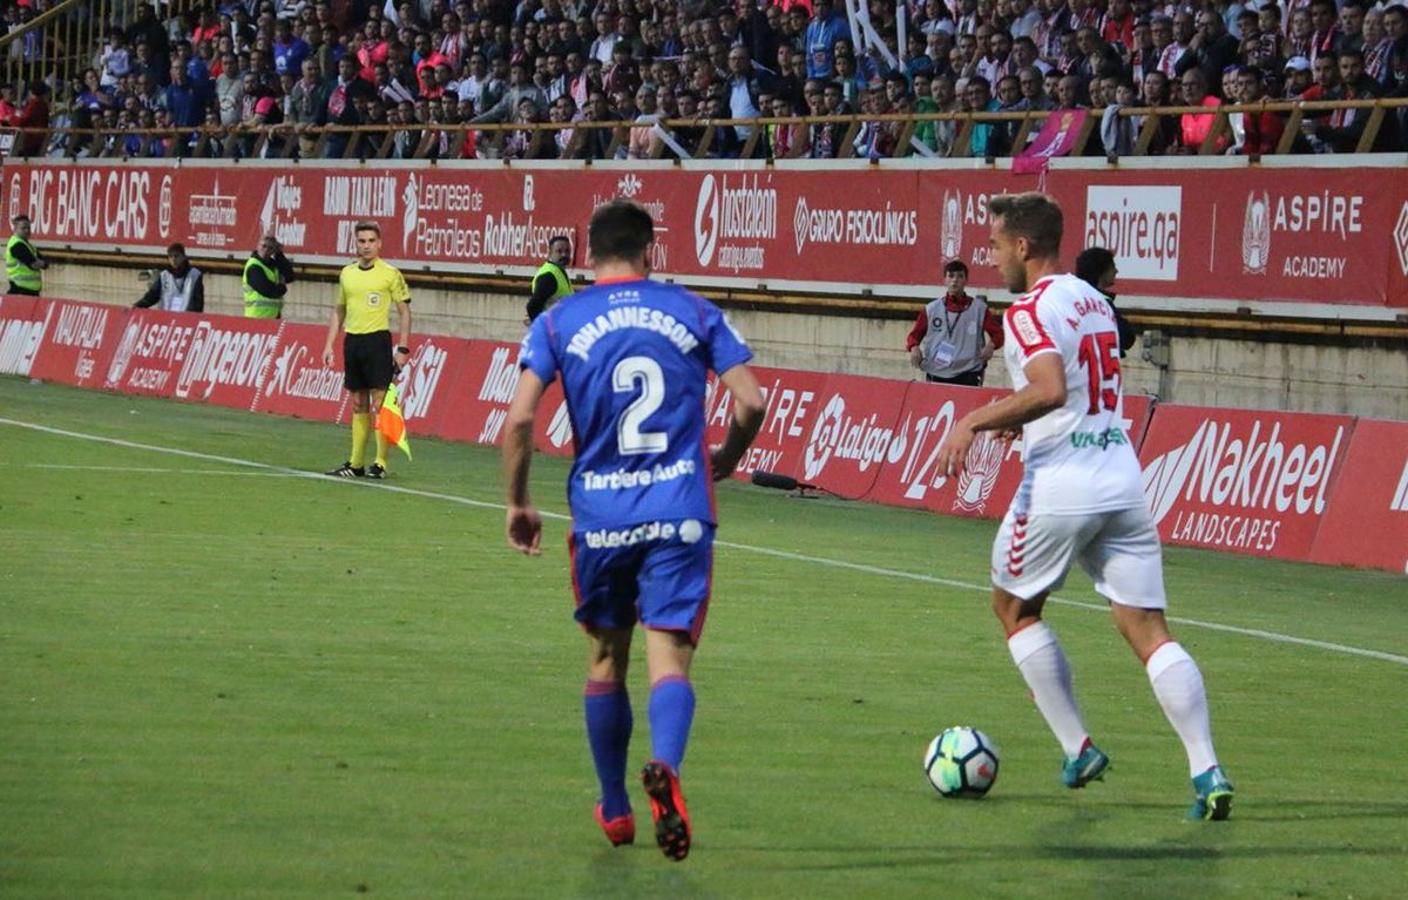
634, 357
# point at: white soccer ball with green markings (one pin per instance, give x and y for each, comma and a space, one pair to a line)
961, 762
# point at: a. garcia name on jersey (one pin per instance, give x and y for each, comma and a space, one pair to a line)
631, 317
629, 478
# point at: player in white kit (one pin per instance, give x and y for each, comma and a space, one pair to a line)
1080, 499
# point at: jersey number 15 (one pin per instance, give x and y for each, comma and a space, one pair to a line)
1100, 354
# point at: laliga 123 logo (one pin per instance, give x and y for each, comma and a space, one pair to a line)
1256, 234
823, 440
410, 215
951, 226
706, 220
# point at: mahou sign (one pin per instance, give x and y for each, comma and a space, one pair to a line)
1314, 237
1325, 488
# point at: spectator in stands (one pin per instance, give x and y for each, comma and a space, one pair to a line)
978, 99
519, 143
1118, 133
1194, 128
744, 85
641, 140
519, 87
1168, 51
1009, 100
597, 142
1325, 35
1030, 80
824, 30
115, 60
183, 101
1351, 25
229, 90
1342, 131
1298, 33
1298, 78
954, 336
1096, 267
938, 135
342, 93
33, 120
177, 288
290, 50
1211, 49
1261, 131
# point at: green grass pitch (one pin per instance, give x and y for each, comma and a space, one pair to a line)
219, 680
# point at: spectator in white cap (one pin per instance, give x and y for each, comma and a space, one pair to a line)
1297, 77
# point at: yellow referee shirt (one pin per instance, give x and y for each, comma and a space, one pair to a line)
367, 295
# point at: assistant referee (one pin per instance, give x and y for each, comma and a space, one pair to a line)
367, 289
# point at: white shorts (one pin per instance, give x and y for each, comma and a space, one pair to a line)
1119, 550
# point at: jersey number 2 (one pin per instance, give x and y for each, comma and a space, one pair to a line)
1100, 354
639, 373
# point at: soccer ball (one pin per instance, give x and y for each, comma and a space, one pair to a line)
961, 762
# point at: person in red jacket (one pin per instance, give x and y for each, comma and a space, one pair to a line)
33, 115
954, 336
1261, 130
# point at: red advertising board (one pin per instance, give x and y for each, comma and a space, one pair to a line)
1322, 235
24, 323
298, 384
1242, 480
80, 343
1330, 489
1366, 521
207, 359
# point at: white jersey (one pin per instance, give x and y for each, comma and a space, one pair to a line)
1079, 458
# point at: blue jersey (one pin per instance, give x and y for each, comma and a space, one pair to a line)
634, 357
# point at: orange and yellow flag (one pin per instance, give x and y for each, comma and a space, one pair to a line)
390, 422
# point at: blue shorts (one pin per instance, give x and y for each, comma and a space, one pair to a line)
658, 573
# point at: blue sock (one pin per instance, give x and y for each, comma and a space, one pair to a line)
608, 709
671, 712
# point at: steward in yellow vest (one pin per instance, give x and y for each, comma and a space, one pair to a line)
267, 274
550, 282
22, 260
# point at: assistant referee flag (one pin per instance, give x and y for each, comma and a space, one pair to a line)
390, 423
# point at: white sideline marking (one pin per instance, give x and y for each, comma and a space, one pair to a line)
140, 470
269, 469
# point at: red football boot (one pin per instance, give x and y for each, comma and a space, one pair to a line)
667, 808
620, 830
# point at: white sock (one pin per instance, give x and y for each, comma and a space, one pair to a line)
1038, 655
1179, 686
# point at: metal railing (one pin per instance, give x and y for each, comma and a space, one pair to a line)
698, 138
56, 46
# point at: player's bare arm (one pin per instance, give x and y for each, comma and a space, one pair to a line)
748, 410
523, 524
339, 314
1045, 391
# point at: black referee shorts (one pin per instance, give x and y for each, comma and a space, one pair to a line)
367, 362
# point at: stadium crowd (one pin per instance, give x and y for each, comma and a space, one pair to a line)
408, 67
